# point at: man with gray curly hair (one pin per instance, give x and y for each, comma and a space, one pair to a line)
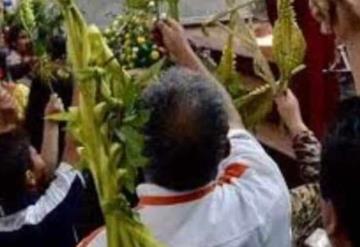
209, 182
187, 120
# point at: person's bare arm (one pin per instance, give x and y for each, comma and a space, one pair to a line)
50, 144
71, 155
306, 146
177, 45
289, 111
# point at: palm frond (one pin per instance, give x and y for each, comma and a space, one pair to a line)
288, 44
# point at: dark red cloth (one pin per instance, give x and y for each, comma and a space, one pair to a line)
318, 93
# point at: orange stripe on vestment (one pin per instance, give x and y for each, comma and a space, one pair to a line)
171, 200
235, 170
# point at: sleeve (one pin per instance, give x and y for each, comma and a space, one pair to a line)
277, 226
247, 151
51, 218
266, 185
307, 149
63, 191
66, 192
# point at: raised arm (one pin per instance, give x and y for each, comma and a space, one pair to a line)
177, 45
50, 144
71, 155
306, 146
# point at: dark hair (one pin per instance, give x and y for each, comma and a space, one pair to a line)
186, 135
14, 34
340, 167
57, 47
15, 159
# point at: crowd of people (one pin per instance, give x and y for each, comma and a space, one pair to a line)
208, 182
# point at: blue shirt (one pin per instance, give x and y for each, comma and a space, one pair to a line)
49, 221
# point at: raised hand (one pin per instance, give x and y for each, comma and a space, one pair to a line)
55, 105
289, 110
176, 43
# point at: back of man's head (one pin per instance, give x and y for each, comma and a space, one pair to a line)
340, 169
186, 136
15, 159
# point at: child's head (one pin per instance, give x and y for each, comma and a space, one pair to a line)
19, 40
19, 164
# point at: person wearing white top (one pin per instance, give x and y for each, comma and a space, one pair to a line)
209, 183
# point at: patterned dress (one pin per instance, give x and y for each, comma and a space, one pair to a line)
306, 217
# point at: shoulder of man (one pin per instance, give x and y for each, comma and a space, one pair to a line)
250, 168
245, 149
